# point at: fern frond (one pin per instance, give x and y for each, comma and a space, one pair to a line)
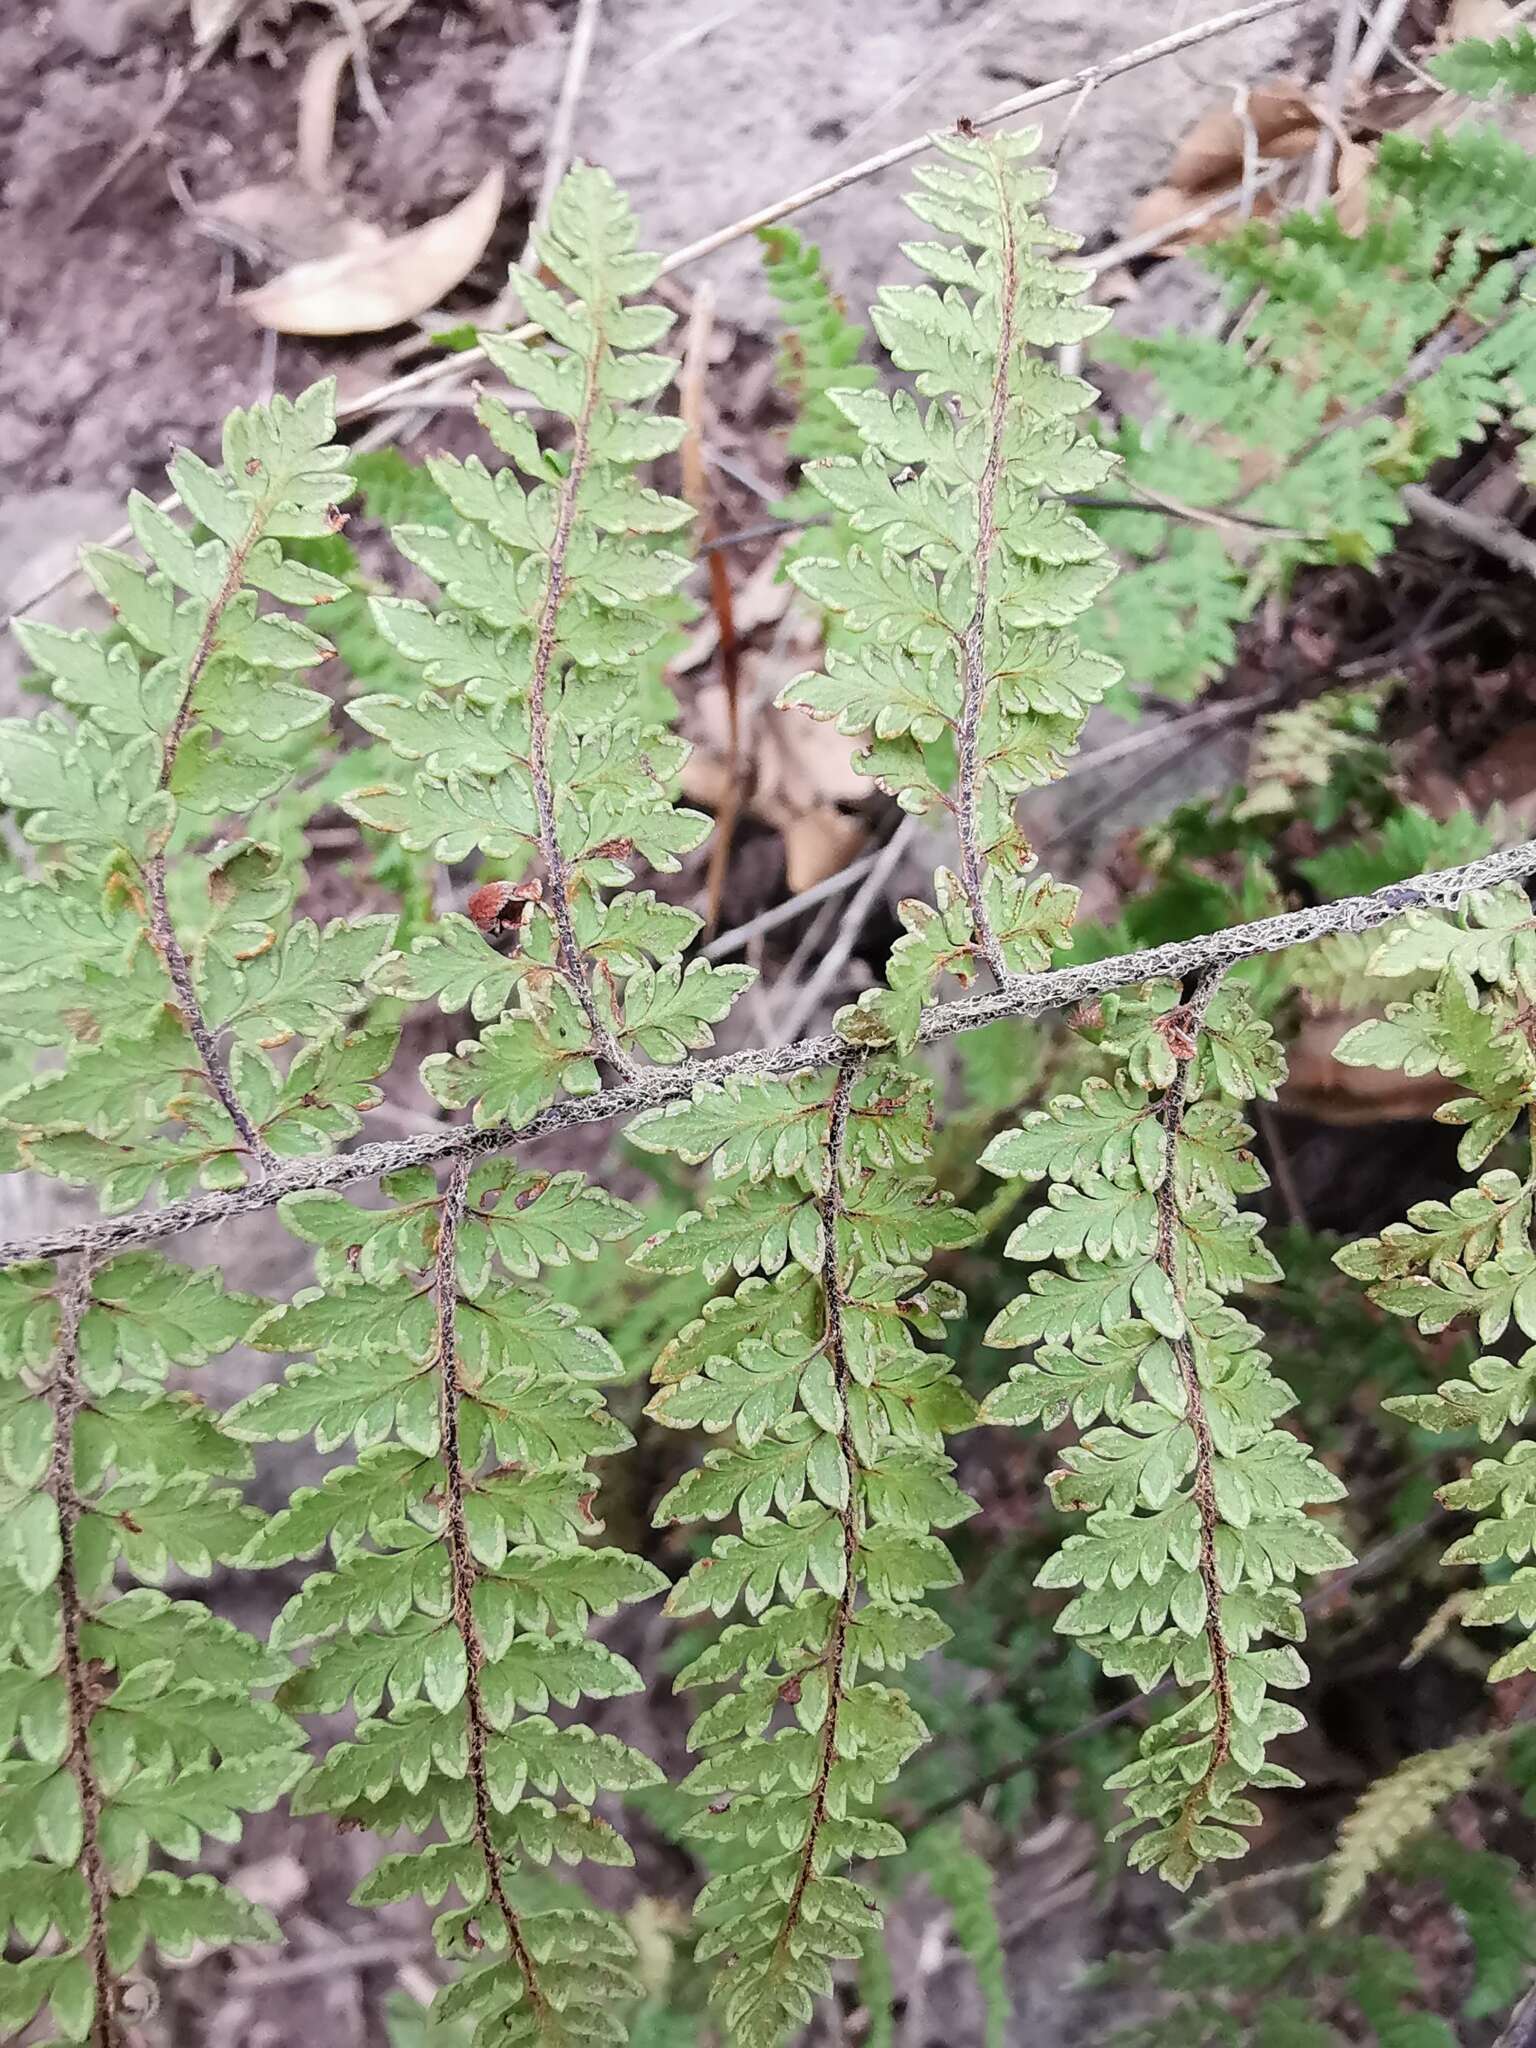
837, 1474
1326, 407
1470, 177
963, 573
964, 1881
191, 711
1297, 752
160, 984
1470, 1258
129, 1722
819, 355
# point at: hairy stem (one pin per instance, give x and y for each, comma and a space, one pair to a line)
571, 958
835, 1345
1023, 995
973, 647
1174, 1104
162, 931
462, 1568
66, 1395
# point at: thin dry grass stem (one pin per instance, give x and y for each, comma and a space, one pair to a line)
1330, 112
804, 1000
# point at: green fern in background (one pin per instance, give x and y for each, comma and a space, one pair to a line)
1306, 427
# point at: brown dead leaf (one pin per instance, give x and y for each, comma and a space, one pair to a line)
1209, 163
1323, 1087
802, 772
1211, 154
818, 843
1163, 207
1486, 19
1351, 198
276, 1882
362, 290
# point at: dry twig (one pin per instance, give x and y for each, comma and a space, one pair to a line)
1021, 995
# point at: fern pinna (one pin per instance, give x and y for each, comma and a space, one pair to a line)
161, 983
462, 1582
1471, 1259
196, 1034
461, 1585
1196, 1501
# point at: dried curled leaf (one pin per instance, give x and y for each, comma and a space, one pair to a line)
363, 290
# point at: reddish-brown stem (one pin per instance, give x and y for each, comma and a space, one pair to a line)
1174, 1103
66, 1395
834, 1342
206, 640
538, 716
162, 930
973, 646
461, 1565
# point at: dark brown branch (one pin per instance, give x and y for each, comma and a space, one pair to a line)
66, 1395
1174, 1103
973, 648
461, 1565
835, 1345
1022, 995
